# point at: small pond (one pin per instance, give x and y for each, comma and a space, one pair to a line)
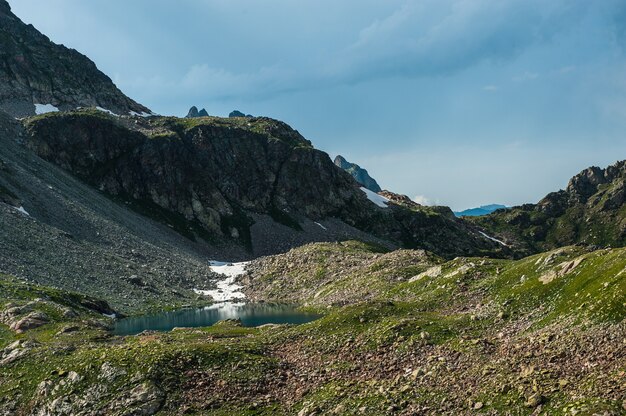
250, 314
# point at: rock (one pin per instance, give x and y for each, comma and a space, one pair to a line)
110, 373
30, 321
237, 113
194, 113
478, 405
73, 377
143, 400
535, 400
13, 356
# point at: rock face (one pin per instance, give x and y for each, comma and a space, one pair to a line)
359, 174
589, 211
34, 70
219, 175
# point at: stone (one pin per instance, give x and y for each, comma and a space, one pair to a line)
30, 321
535, 400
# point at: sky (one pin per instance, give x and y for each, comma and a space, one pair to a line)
451, 102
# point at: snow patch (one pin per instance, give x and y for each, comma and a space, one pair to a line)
45, 108
321, 226
143, 114
493, 239
379, 200
22, 210
227, 289
112, 316
104, 110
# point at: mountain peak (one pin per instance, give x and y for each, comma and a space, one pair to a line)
237, 113
194, 113
35, 72
359, 174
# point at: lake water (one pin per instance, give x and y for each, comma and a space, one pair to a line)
251, 314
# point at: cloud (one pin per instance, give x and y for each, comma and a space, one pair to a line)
491, 88
414, 39
441, 37
422, 200
526, 76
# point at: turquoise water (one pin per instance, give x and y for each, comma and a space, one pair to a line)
251, 314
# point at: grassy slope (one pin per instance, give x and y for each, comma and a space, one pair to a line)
468, 336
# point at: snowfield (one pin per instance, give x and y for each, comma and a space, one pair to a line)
379, 200
104, 110
22, 210
227, 289
45, 108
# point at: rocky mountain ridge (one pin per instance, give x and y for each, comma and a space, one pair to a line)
34, 70
217, 174
590, 210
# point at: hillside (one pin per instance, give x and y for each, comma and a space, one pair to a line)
34, 70
591, 210
542, 335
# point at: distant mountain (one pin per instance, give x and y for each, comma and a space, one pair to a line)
358, 173
591, 210
194, 113
39, 75
237, 113
480, 211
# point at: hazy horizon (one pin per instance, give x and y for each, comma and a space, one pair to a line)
459, 103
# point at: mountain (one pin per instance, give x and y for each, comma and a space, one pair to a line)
480, 211
591, 210
237, 113
359, 174
35, 71
255, 182
194, 113
58, 231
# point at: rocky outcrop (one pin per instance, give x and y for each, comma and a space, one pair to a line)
237, 113
34, 70
218, 176
590, 210
359, 174
194, 113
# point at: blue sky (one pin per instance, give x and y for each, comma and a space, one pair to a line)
456, 102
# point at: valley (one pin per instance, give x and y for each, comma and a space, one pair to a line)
159, 265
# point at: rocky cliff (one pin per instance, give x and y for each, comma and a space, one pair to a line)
359, 174
591, 210
34, 70
219, 178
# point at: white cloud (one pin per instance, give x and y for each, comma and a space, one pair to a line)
422, 200
526, 76
491, 88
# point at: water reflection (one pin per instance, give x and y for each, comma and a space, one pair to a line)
251, 314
